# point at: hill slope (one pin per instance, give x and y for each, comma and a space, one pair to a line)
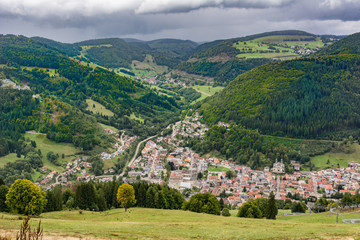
226, 59
308, 97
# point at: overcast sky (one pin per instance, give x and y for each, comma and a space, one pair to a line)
197, 20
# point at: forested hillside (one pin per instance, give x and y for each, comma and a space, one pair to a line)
310, 97
226, 59
48, 72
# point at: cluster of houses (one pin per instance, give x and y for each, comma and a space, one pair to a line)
122, 143
198, 174
150, 165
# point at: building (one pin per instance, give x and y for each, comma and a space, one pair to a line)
278, 167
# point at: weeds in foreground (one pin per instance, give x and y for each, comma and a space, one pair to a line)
25, 232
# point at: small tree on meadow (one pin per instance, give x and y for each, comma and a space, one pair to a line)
126, 196
25, 198
225, 212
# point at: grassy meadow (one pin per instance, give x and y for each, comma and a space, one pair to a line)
142, 223
210, 90
148, 68
217, 169
253, 48
98, 108
45, 145
341, 158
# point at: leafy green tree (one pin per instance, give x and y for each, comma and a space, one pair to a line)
35, 159
203, 203
250, 209
298, 207
25, 198
230, 174
3, 192
126, 195
2, 181
225, 212
271, 207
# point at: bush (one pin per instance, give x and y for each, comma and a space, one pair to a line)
225, 212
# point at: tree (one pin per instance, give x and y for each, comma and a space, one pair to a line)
203, 203
250, 209
54, 199
299, 207
3, 192
271, 208
160, 201
25, 198
85, 196
225, 212
2, 181
230, 174
126, 195
221, 202
150, 195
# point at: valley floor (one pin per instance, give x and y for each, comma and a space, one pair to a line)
141, 223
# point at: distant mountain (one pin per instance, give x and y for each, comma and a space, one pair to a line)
66, 48
222, 60
226, 59
310, 97
348, 45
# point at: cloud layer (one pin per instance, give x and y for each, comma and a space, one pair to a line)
72, 20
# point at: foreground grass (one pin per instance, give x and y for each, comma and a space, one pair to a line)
140, 223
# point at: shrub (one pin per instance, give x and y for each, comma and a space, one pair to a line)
225, 212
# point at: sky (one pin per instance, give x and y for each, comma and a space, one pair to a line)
197, 20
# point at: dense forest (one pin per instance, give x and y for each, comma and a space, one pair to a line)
19, 112
309, 97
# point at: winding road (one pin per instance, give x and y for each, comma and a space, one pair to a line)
136, 153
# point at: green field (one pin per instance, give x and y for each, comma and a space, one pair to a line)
109, 127
335, 158
134, 117
8, 158
49, 71
45, 145
140, 223
282, 47
218, 169
210, 90
148, 68
98, 109
206, 91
